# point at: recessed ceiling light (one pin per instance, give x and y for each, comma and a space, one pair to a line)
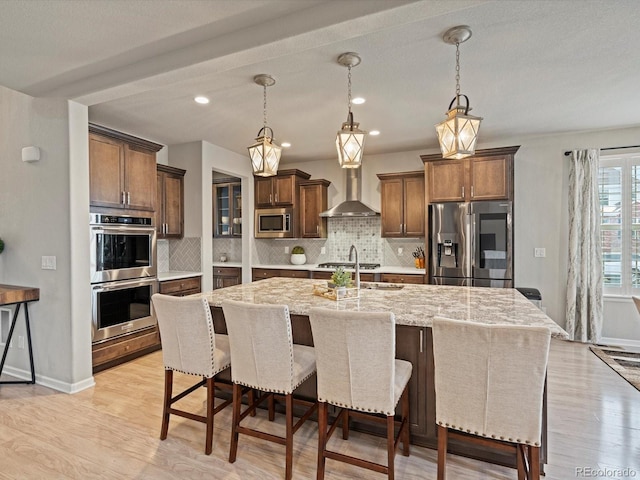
201, 100
358, 101
374, 132
285, 144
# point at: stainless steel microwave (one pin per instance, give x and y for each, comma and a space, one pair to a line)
274, 223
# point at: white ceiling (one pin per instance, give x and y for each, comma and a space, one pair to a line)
531, 67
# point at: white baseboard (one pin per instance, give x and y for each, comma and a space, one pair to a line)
623, 342
64, 387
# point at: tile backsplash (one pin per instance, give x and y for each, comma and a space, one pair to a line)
363, 232
182, 254
231, 247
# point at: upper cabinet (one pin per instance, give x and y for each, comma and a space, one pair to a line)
488, 175
122, 170
281, 190
313, 201
170, 205
402, 204
227, 207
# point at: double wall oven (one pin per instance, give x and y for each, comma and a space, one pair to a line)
123, 274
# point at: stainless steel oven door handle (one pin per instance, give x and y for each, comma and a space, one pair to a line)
120, 285
100, 230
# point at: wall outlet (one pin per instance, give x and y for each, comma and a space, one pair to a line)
400, 250
539, 252
48, 263
286, 249
323, 250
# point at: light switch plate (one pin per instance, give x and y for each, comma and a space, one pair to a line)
286, 249
323, 250
48, 263
540, 252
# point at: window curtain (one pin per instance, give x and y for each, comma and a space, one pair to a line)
584, 284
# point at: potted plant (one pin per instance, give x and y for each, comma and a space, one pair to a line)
297, 256
340, 279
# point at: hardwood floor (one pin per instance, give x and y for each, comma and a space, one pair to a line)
112, 431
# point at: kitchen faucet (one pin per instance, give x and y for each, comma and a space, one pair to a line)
351, 250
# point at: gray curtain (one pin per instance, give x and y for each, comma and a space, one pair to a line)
584, 285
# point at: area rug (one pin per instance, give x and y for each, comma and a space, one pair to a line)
625, 363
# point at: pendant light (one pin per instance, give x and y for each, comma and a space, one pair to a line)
458, 134
265, 153
350, 140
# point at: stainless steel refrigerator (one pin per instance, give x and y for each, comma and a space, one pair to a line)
471, 244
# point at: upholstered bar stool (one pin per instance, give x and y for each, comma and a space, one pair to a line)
264, 358
190, 346
358, 372
489, 382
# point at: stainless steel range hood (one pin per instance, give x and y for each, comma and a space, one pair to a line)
352, 207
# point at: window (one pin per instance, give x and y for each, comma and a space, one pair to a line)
619, 188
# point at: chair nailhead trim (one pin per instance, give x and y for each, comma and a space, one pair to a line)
486, 435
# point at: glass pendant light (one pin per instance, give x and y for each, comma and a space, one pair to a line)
458, 134
265, 153
350, 140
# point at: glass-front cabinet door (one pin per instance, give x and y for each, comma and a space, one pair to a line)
227, 210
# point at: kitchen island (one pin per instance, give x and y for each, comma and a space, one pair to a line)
414, 307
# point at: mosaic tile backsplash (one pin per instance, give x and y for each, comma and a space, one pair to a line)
231, 247
364, 233
184, 254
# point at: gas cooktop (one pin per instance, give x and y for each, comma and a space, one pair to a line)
363, 266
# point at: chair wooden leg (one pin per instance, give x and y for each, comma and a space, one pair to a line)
237, 400
322, 438
521, 451
272, 407
391, 446
289, 437
250, 399
442, 451
345, 424
534, 463
405, 418
210, 405
168, 386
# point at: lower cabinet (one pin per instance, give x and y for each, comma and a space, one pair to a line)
324, 275
127, 347
402, 278
181, 287
226, 277
262, 273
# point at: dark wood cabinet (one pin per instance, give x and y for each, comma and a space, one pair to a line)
122, 170
313, 201
170, 205
402, 278
281, 190
226, 277
227, 207
127, 347
181, 287
402, 204
411, 346
488, 175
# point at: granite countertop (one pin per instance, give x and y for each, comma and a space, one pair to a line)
314, 267
176, 275
413, 305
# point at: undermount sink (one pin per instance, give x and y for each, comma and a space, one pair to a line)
380, 286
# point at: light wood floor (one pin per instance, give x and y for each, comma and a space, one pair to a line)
111, 431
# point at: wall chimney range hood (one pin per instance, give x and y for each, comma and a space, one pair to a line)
352, 207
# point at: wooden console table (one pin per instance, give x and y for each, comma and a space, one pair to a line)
18, 296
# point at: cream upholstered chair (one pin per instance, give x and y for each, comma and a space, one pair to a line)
190, 346
358, 371
264, 358
489, 382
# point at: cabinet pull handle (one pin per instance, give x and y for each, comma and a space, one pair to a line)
166, 228
463, 191
421, 340
471, 191
317, 229
276, 197
128, 198
123, 198
270, 201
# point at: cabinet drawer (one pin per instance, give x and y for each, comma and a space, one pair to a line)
260, 273
400, 278
126, 345
294, 273
226, 271
171, 287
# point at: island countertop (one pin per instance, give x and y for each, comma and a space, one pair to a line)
413, 305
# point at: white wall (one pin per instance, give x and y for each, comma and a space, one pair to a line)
540, 211
43, 206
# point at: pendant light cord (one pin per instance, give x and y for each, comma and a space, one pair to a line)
349, 87
457, 73
264, 108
